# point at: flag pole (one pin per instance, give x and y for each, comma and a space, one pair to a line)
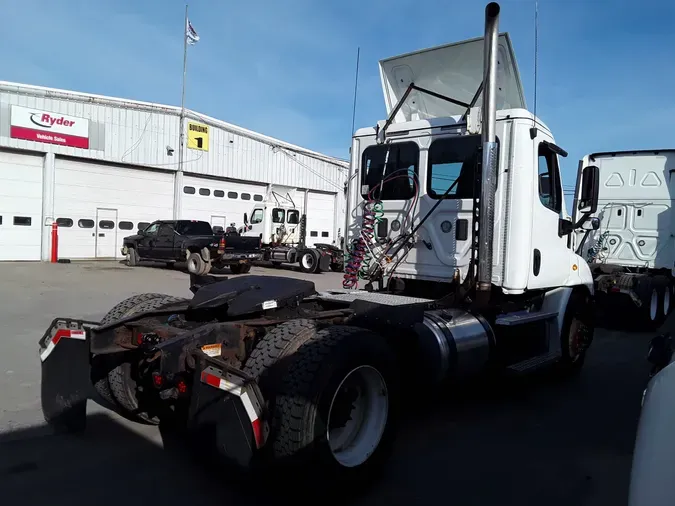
182, 99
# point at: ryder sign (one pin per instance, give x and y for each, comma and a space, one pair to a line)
50, 127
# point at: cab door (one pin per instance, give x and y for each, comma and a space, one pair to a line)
549, 258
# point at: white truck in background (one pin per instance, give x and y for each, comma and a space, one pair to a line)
282, 228
630, 246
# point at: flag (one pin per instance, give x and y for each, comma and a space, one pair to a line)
191, 34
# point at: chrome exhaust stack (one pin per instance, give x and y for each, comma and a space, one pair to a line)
490, 151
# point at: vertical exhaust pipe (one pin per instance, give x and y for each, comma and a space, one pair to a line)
490, 152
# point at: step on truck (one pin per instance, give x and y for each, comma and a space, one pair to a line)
282, 229
476, 276
628, 241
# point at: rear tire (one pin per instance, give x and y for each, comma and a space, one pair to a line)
651, 293
195, 264
101, 365
342, 382
132, 257
120, 378
309, 261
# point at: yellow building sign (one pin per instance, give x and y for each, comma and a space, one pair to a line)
198, 136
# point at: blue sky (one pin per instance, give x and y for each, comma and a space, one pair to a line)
286, 68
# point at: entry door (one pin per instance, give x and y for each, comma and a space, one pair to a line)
219, 221
106, 233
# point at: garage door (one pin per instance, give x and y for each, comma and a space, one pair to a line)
96, 206
219, 202
20, 206
320, 218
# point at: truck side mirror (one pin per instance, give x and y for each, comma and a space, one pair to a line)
591, 224
590, 186
245, 218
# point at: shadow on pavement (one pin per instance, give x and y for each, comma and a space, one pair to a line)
525, 441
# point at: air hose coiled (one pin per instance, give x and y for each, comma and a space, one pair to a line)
360, 254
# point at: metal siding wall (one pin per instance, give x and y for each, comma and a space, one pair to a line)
139, 137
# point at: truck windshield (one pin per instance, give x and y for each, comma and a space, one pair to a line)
395, 180
194, 228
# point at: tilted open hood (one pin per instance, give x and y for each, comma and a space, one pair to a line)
453, 70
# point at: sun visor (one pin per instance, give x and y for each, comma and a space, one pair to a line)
454, 71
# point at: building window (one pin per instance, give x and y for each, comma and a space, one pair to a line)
142, 225
314, 234
64, 222
245, 196
85, 223
22, 221
190, 190
258, 198
293, 217
125, 225
218, 193
324, 234
0, 220
106, 224
232, 195
204, 191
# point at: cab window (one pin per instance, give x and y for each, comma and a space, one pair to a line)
152, 229
389, 171
293, 217
550, 194
257, 216
278, 215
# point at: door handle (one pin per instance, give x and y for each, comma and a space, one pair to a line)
101, 235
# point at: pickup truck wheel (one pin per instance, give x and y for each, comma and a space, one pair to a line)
337, 408
195, 264
122, 384
309, 261
101, 365
132, 257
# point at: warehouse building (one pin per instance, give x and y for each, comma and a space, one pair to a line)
103, 167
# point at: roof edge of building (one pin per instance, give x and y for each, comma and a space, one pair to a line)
78, 96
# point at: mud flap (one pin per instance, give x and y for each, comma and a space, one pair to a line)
228, 405
324, 262
66, 384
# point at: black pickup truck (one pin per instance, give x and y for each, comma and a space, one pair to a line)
193, 242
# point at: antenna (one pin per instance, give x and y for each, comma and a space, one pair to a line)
533, 130
356, 87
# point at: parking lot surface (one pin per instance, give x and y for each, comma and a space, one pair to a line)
538, 441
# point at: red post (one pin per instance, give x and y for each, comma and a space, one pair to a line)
55, 242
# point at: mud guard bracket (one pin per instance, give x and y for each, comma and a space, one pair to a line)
227, 404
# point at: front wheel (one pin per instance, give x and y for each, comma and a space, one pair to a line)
132, 257
577, 331
336, 413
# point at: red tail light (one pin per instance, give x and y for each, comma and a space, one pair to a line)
157, 380
181, 386
221, 246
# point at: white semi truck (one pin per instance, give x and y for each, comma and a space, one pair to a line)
631, 247
282, 229
477, 275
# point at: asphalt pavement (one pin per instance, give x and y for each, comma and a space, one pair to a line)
538, 441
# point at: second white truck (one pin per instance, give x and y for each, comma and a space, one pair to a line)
631, 250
